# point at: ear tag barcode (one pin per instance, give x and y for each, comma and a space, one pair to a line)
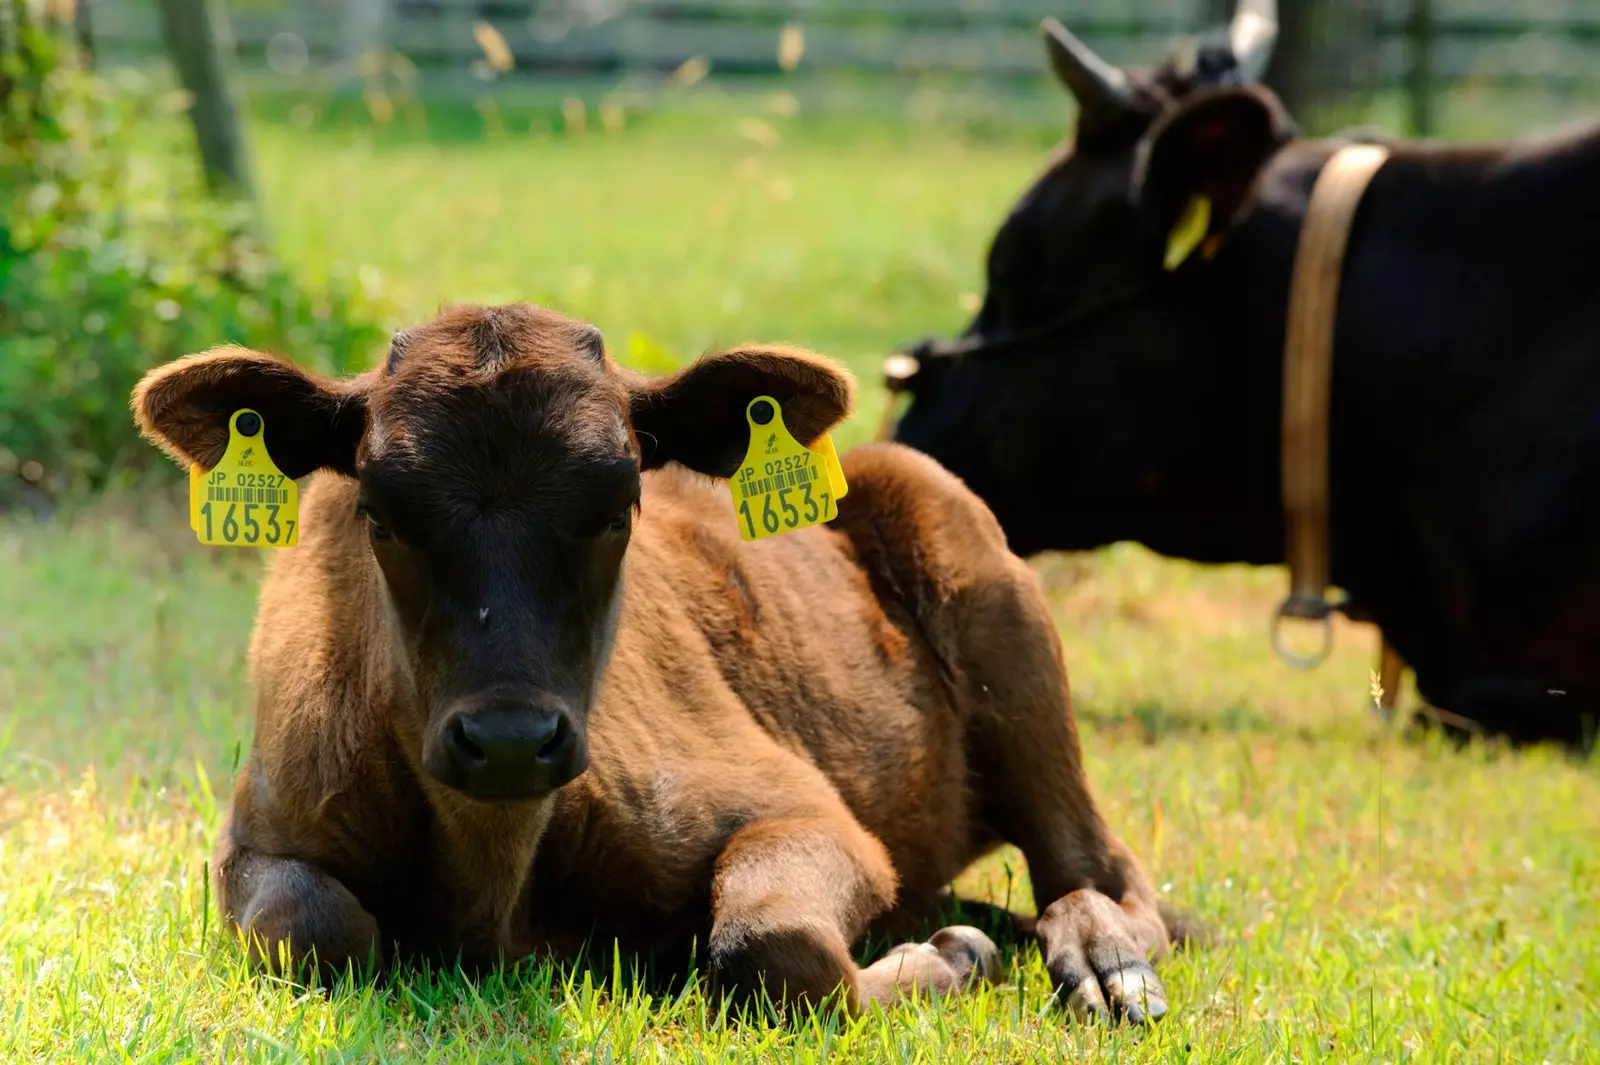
244, 501
782, 485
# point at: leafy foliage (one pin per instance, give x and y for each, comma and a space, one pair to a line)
113, 260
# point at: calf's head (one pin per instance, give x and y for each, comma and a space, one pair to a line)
1079, 402
498, 454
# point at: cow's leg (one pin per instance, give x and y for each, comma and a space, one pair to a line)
1520, 707
789, 897
1099, 927
291, 913
930, 544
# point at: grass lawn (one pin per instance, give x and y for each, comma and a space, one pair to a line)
1374, 898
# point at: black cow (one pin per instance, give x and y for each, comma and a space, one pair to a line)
1099, 397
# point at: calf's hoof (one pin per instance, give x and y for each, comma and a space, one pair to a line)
1097, 966
953, 960
971, 954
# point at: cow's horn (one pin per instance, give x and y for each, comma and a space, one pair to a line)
1252, 35
1092, 81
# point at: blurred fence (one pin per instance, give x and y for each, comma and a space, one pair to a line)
1356, 46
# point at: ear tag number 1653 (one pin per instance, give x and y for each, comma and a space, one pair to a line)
244, 501
782, 485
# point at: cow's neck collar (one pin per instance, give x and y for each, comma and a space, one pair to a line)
1307, 387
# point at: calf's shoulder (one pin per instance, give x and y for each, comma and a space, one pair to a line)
324, 767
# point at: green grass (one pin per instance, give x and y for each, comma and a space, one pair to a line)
735, 227
1374, 899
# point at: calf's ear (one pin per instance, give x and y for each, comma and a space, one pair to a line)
309, 422
697, 416
1212, 146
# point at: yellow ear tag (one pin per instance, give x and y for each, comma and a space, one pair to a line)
197, 478
1189, 231
782, 485
244, 501
835, 470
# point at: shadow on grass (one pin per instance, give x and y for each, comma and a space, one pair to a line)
544, 1001
671, 985
1153, 723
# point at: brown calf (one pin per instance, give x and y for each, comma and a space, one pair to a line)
522, 684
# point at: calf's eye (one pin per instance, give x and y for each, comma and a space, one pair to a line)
378, 530
621, 522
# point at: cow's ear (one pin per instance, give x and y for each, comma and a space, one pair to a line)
309, 423
1211, 146
697, 416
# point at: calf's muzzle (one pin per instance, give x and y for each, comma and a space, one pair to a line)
500, 747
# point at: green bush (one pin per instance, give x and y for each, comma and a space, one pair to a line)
113, 259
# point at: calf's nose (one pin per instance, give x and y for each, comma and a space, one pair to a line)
507, 749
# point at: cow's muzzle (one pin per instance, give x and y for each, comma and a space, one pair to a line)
899, 370
501, 749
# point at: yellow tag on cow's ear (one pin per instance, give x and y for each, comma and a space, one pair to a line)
782, 485
196, 483
244, 501
835, 468
1188, 231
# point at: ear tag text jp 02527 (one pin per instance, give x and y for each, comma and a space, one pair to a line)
245, 500
782, 485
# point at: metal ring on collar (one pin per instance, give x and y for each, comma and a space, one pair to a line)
1305, 609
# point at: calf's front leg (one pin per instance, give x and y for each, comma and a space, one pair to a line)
1099, 924
789, 896
292, 915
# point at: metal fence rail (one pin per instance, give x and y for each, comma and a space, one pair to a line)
1364, 45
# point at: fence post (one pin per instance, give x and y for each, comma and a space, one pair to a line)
19, 62
83, 25
1292, 73
1419, 74
363, 28
10, 38
194, 43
